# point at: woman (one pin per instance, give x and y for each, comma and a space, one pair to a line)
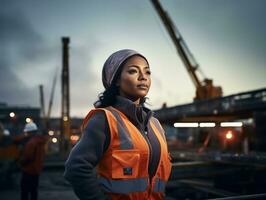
121, 138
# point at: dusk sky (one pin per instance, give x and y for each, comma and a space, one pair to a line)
226, 37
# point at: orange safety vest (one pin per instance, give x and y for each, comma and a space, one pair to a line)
123, 169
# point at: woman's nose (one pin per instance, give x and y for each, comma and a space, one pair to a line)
142, 76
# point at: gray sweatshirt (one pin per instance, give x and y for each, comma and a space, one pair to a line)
86, 154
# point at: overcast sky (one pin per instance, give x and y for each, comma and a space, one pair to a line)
227, 38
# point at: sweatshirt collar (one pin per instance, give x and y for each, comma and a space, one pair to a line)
139, 115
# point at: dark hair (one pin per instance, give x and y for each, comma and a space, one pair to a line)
108, 97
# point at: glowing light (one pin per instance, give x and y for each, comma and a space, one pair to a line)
231, 124
51, 132
185, 125
6, 132
54, 140
74, 138
12, 114
65, 118
28, 120
229, 135
207, 124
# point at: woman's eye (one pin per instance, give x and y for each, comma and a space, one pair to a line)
132, 71
148, 72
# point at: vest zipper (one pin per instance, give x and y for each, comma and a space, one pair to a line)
150, 150
151, 177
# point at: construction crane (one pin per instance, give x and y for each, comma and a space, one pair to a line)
42, 104
65, 112
52, 95
205, 88
46, 116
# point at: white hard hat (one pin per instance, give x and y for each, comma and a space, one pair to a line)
31, 126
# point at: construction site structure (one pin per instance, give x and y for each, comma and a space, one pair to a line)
65, 115
204, 89
46, 116
42, 101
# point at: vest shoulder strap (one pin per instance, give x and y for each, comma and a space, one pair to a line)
158, 126
89, 115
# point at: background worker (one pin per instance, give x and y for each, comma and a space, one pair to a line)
31, 161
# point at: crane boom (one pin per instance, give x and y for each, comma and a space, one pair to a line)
42, 101
177, 40
52, 95
203, 91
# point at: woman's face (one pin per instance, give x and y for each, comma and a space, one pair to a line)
135, 81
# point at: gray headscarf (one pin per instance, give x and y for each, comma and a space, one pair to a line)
113, 63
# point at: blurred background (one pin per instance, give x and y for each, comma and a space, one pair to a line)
208, 86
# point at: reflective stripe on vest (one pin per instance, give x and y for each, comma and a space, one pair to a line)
124, 186
159, 185
158, 127
124, 136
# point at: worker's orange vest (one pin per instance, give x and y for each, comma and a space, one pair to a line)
123, 170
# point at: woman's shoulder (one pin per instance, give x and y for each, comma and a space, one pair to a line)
94, 116
96, 111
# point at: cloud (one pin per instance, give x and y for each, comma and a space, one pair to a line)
17, 36
13, 30
21, 46
27, 60
85, 83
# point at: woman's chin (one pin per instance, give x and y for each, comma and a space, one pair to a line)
142, 94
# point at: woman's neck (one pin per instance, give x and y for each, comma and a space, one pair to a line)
136, 101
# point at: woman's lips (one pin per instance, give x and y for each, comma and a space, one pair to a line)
142, 86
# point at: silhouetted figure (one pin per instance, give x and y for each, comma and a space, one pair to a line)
31, 161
